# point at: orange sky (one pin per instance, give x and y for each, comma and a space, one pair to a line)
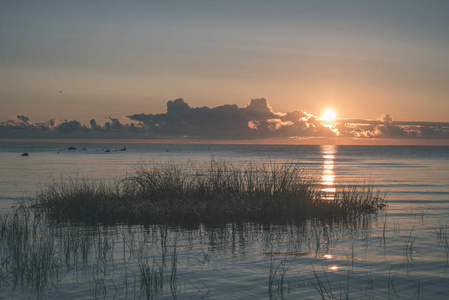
81, 60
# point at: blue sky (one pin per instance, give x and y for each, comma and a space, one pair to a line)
90, 59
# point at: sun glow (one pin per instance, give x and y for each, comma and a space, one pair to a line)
329, 115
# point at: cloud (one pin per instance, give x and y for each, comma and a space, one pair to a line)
70, 127
256, 120
386, 119
22, 127
52, 123
115, 125
386, 127
24, 119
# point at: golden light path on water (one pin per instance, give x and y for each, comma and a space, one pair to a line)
328, 153
328, 189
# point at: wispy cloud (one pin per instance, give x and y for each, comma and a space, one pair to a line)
386, 127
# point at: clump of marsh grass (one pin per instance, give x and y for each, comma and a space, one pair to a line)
360, 198
216, 193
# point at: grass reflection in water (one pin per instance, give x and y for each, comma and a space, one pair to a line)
41, 256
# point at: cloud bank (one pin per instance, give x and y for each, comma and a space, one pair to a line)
255, 121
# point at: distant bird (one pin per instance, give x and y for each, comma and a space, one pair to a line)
24, 154
107, 150
72, 148
123, 149
84, 148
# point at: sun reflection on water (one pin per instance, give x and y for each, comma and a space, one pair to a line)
328, 153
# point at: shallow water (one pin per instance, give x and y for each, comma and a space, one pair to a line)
401, 253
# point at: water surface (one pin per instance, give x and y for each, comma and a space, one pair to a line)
401, 253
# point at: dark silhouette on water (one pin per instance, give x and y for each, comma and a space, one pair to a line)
24, 154
72, 148
123, 149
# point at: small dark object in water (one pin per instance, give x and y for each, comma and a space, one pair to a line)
24, 154
72, 148
123, 149
107, 150
84, 148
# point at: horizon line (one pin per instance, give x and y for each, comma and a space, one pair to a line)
281, 141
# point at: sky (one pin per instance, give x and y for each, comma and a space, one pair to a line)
105, 60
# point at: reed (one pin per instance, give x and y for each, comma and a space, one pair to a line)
153, 261
276, 279
442, 238
27, 257
216, 193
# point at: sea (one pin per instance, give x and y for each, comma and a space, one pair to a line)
399, 253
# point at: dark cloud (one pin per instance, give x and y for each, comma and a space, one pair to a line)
260, 109
114, 124
22, 127
52, 123
69, 127
132, 128
256, 120
294, 116
23, 119
93, 124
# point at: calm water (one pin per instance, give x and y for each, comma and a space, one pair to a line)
401, 253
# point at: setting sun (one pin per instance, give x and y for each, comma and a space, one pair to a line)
328, 115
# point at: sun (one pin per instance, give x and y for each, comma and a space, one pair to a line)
328, 115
